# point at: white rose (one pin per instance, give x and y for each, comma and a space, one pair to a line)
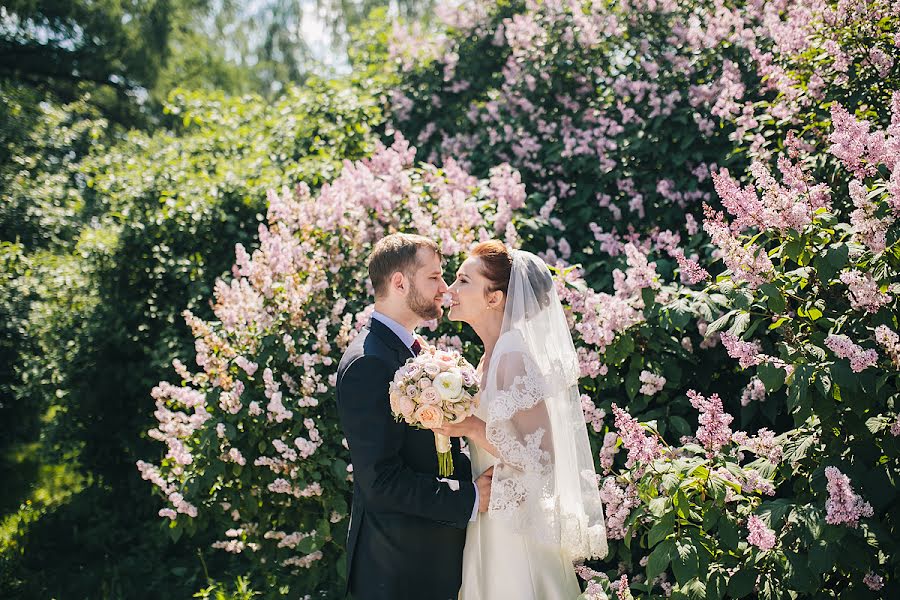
459, 413
431, 368
449, 384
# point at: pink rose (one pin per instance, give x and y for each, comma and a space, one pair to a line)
412, 391
446, 360
424, 383
430, 416
406, 406
430, 396
395, 404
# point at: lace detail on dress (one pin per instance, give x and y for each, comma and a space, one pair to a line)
524, 393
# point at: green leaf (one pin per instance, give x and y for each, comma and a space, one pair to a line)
776, 302
781, 321
719, 323
799, 575
821, 557
837, 255
686, 561
695, 589
771, 376
716, 585
682, 504
728, 534
657, 506
741, 321
659, 559
339, 467
742, 582
679, 425
661, 529
842, 375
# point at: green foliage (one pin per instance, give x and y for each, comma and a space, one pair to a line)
117, 239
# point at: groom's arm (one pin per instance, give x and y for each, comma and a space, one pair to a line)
375, 440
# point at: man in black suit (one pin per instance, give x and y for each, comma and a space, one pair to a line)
407, 524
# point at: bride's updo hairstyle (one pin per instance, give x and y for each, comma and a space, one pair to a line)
496, 261
496, 264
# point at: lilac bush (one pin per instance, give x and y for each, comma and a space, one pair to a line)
716, 186
254, 449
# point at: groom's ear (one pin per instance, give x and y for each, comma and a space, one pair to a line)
398, 281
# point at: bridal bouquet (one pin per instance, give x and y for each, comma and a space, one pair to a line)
435, 387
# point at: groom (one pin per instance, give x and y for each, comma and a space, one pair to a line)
407, 525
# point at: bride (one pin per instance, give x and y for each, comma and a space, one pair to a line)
545, 510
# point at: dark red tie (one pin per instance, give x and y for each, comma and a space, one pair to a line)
416, 346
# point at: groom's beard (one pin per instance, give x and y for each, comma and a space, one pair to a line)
422, 306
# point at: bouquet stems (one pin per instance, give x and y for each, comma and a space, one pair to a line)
445, 458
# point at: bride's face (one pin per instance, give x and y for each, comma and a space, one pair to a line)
468, 293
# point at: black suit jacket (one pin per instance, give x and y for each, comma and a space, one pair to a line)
407, 529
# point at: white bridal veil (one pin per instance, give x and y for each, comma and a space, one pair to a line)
545, 483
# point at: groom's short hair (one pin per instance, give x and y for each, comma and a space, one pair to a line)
393, 253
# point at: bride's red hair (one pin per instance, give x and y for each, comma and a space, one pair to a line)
496, 263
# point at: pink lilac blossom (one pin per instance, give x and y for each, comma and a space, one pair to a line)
623, 590
749, 262
304, 562
610, 449
873, 582
871, 230
618, 503
763, 444
844, 347
592, 414
691, 271
844, 506
640, 274
760, 535
890, 341
642, 448
864, 292
653, 383
780, 207
714, 431
747, 353
849, 140
235, 456
755, 391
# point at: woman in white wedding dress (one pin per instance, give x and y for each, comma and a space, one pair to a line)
545, 510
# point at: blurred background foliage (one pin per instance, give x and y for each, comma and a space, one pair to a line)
137, 141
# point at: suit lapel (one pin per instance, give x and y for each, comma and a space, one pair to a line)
390, 339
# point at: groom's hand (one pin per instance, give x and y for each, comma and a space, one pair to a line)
484, 489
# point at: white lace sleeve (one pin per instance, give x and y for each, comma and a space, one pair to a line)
519, 428
544, 484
